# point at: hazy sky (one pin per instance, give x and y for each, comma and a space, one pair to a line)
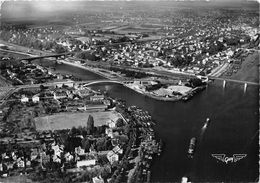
23, 9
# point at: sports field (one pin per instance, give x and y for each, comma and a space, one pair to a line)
68, 120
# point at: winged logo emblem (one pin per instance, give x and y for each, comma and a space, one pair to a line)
226, 159
238, 157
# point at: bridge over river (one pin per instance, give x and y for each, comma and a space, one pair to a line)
71, 83
225, 80
11, 89
157, 72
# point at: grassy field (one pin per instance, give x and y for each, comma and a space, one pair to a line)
133, 28
68, 120
17, 179
4, 82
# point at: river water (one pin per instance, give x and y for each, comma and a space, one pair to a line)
233, 130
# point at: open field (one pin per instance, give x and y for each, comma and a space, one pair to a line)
4, 82
23, 49
17, 179
68, 120
4, 92
133, 29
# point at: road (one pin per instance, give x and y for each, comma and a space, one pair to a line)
219, 70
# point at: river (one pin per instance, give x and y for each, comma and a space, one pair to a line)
233, 130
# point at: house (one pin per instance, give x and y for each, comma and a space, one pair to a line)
107, 102
117, 150
24, 99
59, 95
81, 108
1, 167
109, 132
97, 98
69, 94
87, 162
20, 163
1, 113
59, 76
98, 179
112, 157
35, 98
10, 165
56, 158
28, 163
14, 156
69, 84
34, 154
44, 158
79, 151
114, 142
57, 149
96, 107
72, 107
111, 124
68, 156
83, 92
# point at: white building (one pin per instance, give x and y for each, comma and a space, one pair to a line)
24, 99
111, 124
35, 98
88, 162
109, 132
79, 151
112, 157
68, 156
97, 98
97, 179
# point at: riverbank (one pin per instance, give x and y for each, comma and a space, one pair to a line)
152, 96
84, 67
110, 75
249, 70
177, 122
134, 89
147, 94
184, 97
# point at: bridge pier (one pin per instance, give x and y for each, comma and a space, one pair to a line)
224, 83
245, 87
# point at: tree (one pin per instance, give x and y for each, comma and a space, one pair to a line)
85, 144
194, 82
123, 139
59, 49
86, 55
127, 129
120, 122
106, 172
73, 131
101, 144
100, 129
90, 124
160, 63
